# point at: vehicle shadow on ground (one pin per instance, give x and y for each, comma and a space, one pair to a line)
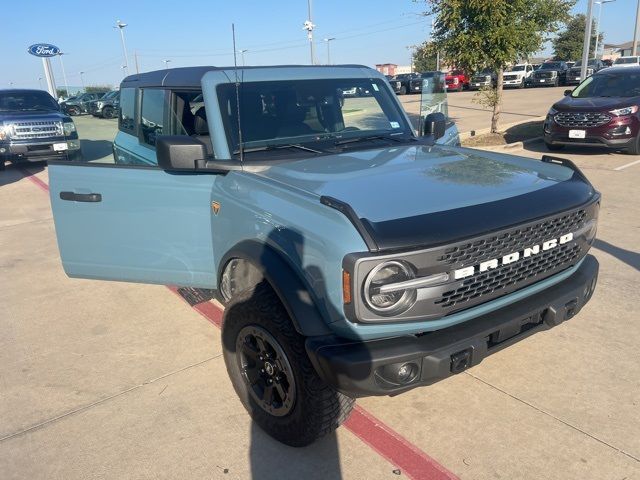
540, 147
96, 149
14, 173
629, 257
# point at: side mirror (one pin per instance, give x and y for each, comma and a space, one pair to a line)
567, 92
434, 125
179, 152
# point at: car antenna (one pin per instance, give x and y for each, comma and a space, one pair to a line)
235, 69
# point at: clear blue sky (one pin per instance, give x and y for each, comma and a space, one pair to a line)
197, 32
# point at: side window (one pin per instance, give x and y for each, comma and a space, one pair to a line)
126, 121
184, 108
152, 115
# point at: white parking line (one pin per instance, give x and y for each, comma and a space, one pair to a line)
627, 165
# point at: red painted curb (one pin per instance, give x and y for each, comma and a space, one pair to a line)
389, 444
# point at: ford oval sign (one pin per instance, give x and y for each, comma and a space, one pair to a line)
44, 50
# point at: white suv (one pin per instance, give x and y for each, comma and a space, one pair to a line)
518, 75
627, 62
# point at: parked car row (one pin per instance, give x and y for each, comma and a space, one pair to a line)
550, 73
99, 104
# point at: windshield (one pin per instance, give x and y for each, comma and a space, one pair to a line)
15, 101
110, 95
623, 60
609, 85
591, 63
551, 66
282, 112
402, 76
517, 68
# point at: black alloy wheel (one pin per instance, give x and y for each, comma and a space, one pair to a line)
266, 370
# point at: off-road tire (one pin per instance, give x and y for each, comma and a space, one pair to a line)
2, 165
553, 148
107, 112
317, 408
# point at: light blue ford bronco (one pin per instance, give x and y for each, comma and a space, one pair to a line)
354, 255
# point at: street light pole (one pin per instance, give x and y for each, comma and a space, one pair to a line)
309, 26
600, 3
166, 63
40, 82
242, 52
82, 81
64, 74
328, 40
587, 40
634, 50
120, 26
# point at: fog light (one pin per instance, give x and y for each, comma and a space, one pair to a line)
73, 144
398, 373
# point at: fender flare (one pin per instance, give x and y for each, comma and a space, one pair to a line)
287, 284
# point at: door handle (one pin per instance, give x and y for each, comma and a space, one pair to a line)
81, 197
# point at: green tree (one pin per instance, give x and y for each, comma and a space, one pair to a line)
98, 88
473, 34
568, 44
423, 59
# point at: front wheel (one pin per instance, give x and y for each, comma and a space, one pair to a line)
403, 90
107, 112
272, 374
634, 148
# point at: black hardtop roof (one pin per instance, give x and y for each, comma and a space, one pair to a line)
19, 90
192, 76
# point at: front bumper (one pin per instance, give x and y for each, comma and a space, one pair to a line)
611, 135
544, 81
514, 83
360, 369
39, 150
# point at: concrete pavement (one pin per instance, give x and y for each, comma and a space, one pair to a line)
114, 380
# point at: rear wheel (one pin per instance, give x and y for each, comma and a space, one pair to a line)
272, 374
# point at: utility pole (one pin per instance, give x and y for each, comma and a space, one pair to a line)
309, 26
587, 40
634, 50
64, 74
600, 3
135, 56
82, 81
120, 26
328, 40
40, 82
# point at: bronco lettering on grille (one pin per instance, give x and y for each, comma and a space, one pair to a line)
511, 257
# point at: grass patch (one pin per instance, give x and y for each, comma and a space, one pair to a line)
517, 133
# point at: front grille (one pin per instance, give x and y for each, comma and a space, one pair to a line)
480, 79
543, 74
495, 246
36, 129
527, 270
582, 119
510, 77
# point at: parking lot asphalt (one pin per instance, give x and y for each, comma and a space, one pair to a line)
116, 380
518, 106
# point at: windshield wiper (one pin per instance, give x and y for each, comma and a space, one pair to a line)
278, 147
372, 137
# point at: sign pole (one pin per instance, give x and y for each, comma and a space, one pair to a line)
48, 74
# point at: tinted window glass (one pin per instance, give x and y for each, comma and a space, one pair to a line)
22, 101
152, 115
127, 110
608, 85
551, 66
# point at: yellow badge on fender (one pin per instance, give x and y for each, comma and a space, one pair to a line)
215, 207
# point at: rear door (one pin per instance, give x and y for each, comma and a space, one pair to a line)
119, 217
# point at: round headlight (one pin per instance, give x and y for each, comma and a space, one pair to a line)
389, 301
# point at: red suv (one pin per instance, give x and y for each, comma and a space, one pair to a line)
600, 112
456, 81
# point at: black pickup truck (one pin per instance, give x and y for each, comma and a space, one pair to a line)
33, 129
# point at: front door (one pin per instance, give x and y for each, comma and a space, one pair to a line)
133, 221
